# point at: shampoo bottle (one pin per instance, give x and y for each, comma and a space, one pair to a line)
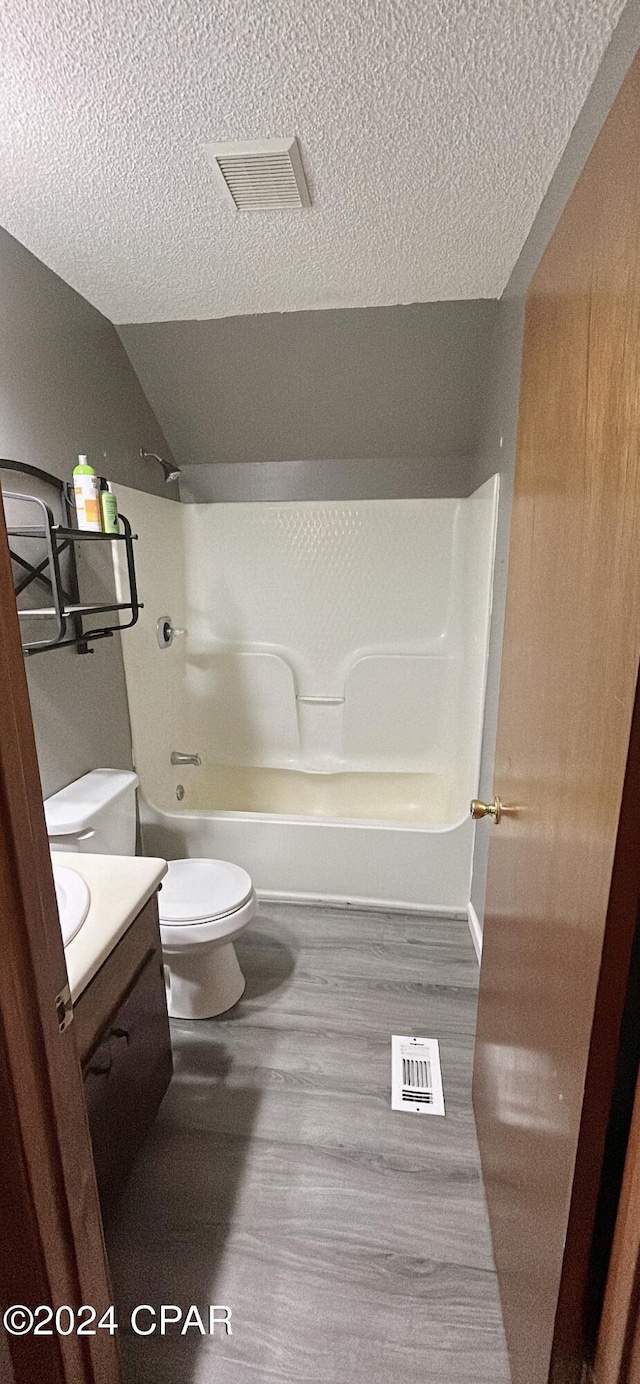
86, 488
108, 508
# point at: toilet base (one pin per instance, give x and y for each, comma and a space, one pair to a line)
202, 982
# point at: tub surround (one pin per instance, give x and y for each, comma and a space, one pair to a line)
120, 886
331, 678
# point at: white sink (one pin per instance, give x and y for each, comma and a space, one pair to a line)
73, 895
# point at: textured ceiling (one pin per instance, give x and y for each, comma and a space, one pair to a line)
429, 131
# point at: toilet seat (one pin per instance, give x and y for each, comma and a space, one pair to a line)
202, 890
204, 901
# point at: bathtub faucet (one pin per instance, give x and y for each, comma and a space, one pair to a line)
178, 758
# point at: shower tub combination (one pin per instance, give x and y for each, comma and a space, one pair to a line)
330, 675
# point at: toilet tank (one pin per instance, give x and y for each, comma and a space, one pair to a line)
97, 813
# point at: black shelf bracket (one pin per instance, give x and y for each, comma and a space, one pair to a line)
65, 614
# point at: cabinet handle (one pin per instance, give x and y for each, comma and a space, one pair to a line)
100, 1068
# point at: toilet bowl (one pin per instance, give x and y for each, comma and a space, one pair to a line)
204, 905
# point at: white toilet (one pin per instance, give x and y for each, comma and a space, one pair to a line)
204, 904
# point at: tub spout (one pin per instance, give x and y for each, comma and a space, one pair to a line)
178, 758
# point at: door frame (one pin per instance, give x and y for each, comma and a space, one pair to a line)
617, 1359
573, 1333
52, 1248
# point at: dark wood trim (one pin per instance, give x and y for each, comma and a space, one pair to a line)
574, 1330
51, 1245
618, 1350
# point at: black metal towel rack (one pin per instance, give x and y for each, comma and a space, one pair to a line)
66, 610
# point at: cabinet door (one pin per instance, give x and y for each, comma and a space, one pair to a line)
126, 1077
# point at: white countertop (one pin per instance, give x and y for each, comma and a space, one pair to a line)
120, 885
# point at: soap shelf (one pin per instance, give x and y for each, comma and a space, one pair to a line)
66, 610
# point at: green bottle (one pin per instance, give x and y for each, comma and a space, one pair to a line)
108, 508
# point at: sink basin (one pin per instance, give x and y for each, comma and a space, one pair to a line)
72, 893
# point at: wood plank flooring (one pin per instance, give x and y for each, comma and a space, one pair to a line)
351, 1243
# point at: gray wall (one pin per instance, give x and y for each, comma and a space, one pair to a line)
67, 386
349, 383
373, 478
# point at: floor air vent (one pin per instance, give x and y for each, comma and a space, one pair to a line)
416, 1078
260, 175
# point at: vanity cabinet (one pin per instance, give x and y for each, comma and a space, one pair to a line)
122, 1034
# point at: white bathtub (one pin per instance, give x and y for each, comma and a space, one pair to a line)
371, 864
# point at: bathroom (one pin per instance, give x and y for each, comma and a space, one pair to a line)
253, 697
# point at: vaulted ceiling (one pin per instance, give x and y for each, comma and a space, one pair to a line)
429, 131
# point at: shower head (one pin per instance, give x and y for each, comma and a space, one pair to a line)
171, 473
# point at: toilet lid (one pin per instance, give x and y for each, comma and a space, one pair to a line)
195, 891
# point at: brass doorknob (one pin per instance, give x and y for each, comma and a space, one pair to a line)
493, 809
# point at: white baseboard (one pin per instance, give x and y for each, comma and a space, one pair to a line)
476, 931
376, 905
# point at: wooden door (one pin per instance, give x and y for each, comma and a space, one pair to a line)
51, 1244
556, 940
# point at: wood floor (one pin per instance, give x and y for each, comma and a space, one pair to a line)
350, 1243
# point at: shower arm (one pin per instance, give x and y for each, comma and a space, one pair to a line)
171, 473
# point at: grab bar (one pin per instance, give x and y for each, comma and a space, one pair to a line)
322, 701
178, 758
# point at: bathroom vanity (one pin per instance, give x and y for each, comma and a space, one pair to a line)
120, 1017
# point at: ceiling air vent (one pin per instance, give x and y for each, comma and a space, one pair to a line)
260, 174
